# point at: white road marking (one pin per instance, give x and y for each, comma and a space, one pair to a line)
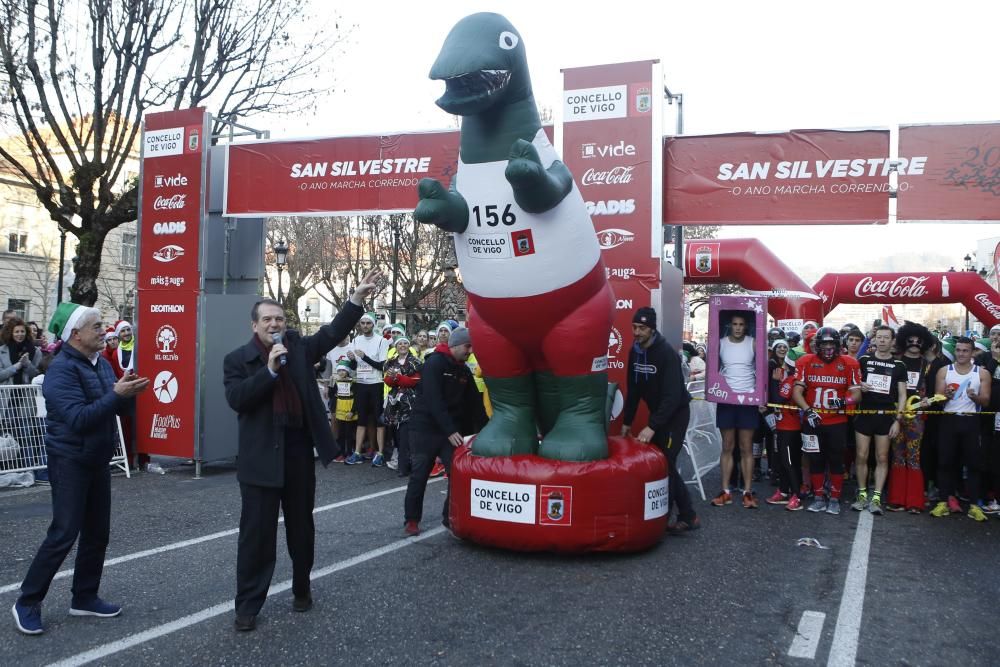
111, 648
807, 636
62, 574
844, 650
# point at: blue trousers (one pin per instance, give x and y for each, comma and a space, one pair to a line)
81, 507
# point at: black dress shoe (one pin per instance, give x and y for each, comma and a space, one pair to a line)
303, 603
245, 623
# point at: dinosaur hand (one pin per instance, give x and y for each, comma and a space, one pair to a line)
440, 207
524, 169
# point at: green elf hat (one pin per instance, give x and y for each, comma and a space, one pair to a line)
368, 316
345, 364
983, 344
443, 325
398, 328
948, 348
66, 318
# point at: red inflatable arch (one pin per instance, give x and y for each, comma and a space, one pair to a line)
750, 264
966, 288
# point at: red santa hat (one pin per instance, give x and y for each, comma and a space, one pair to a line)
119, 325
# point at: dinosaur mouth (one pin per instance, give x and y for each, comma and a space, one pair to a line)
472, 92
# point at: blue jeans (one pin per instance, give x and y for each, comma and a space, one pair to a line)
81, 507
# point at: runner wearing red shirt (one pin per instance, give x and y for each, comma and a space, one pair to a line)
825, 381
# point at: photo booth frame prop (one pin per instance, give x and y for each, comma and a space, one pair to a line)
720, 310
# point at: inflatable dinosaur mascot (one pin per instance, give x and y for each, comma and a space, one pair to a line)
540, 307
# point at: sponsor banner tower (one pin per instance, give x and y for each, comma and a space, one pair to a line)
171, 217
612, 143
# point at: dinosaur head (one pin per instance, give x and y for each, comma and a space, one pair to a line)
482, 64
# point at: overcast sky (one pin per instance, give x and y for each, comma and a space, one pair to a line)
742, 66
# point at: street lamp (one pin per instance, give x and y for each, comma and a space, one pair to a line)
280, 259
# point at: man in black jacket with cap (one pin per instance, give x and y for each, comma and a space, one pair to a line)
655, 376
271, 385
448, 399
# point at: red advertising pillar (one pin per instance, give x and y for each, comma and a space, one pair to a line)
612, 143
171, 215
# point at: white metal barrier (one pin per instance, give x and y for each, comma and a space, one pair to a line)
22, 431
703, 442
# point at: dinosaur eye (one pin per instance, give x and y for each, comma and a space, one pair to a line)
508, 40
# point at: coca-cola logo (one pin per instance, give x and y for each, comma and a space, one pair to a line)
166, 203
988, 304
613, 176
903, 286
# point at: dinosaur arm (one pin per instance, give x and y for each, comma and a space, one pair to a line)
536, 189
446, 209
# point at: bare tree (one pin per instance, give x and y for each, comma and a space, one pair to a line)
81, 74
42, 277
336, 252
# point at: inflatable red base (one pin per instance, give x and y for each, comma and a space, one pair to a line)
528, 503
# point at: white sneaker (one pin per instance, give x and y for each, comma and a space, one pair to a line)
155, 468
393, 464
992, 508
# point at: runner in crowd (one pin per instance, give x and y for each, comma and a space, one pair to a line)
906, 481
370, 353
853, 342
883, 389
825, 383
737, 422
786, 426
967, 387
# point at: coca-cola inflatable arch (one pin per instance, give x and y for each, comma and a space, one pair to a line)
966, 288
749, 264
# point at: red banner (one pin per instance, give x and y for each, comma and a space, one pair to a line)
172, 208
810, 177
611, 143
962, 177
996, 265
964, 287
340, 175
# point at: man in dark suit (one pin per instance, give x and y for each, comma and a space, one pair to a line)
270, 383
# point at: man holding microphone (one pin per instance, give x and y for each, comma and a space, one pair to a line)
271, 385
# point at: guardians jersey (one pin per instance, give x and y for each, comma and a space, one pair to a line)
508, 252
822, 382
788, 420
884, 376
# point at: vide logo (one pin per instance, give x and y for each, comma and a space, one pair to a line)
621, 149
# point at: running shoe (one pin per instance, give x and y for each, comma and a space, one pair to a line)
894, 508
875, 505
724, 498
861, 502
833, 506
818, 505
940, 510
354, 459
28, 618
393, 464
369, 454
778, 498
992, 508
794, 504
340, 459
915, 510
378, 461
437, 470
976, 513
749, 502
954, 506
412, 528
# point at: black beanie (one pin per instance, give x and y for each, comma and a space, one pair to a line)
646, 316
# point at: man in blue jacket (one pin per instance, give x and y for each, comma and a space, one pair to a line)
82, 399
271, 385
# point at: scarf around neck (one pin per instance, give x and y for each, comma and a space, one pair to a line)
285, 400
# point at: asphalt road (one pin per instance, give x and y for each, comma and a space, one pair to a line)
735, 592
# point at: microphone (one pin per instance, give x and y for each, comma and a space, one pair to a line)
276, 338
